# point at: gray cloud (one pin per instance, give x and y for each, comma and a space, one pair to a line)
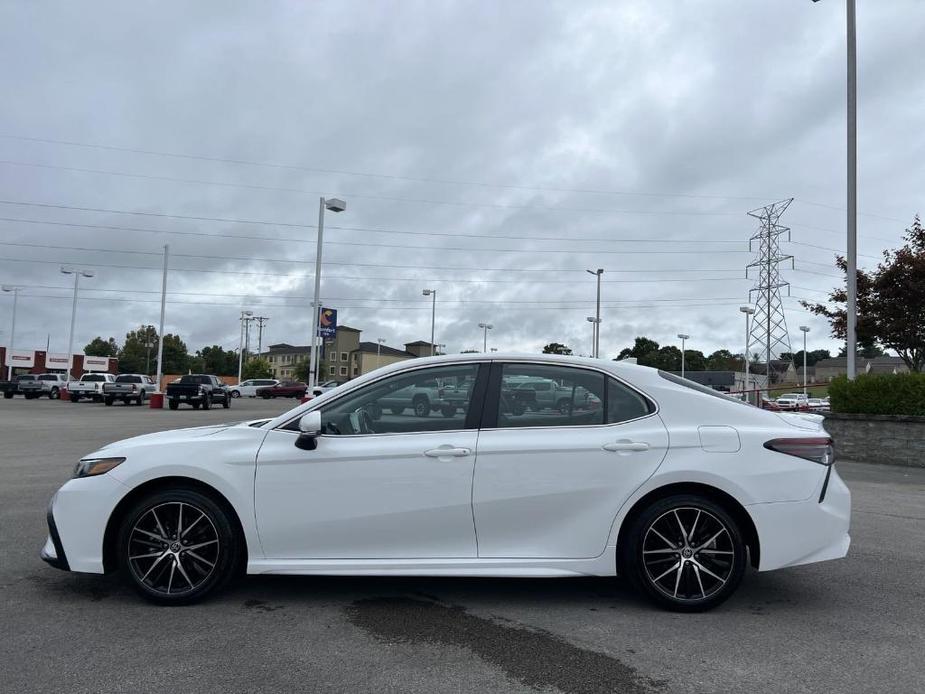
648, 104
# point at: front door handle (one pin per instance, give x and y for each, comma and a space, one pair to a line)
448, 452
626, 446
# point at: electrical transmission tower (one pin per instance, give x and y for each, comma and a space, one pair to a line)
769, 327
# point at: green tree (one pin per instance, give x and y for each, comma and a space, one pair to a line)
139, 351
724, 360
556, 348
303, 370
176, 356
99, 347
257, 368
891, 301
641, 347
216, 360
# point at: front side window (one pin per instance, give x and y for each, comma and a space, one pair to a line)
437, 399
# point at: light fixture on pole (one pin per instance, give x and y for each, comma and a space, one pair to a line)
335, 205
433, 317
244, 316
15, 292
78, 273
597, 313
379, 343
804, 329
594, 327
748, 311
684, 339
851, 257
485, 328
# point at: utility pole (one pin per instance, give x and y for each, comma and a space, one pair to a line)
160, 338
597, 313
260, 321
748, 311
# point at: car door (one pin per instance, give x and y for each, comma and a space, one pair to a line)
548, 483
397, 486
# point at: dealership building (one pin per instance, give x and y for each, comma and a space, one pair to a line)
24, 361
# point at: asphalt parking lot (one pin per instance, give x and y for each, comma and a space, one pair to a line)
855, 625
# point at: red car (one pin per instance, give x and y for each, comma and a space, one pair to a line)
286, 389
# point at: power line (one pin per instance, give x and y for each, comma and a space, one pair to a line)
341, 172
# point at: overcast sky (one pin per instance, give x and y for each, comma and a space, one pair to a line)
513, 144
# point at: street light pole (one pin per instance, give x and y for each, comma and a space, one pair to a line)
78, 273
595, 326
244, 317
747, 310
805, 330
597, 313
683, 340
485, 328
379, 342
15, 292
433, 317
851, 309
335, 205
160, 336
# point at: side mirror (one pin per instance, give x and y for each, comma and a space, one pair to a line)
309, 431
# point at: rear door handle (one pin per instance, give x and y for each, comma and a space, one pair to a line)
448, 452
626, 446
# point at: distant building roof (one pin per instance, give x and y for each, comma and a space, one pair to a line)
290, 349
423, 343
374, 348
348, 329
710, 378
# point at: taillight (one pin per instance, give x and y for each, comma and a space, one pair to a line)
819, 450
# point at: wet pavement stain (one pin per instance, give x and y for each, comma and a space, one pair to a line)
534, 657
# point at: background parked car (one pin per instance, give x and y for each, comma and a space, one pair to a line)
198, 390
11, 387
129, 388
248, 388
89, 387
286, 389
44, 384
792, 402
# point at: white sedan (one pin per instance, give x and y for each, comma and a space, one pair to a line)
248, 389
669, 484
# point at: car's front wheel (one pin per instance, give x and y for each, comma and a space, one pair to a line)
236, 394
685, 553
176, 546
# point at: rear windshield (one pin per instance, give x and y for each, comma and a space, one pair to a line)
128, 379
677, 380
195, 379
26, 378
93, 378
48, 377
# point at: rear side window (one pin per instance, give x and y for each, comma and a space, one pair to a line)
624, 403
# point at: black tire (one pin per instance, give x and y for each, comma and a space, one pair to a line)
29, 396
448, 411
173, 404
226, 403
214, 536
421, 406
142, 396
518, 408
195, 405
564, 406
236, 394
126, 401
396, 410
75, 397
206, 401
8, 396
54, 394
108, 401
681, 574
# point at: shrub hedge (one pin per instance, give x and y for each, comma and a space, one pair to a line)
902, 394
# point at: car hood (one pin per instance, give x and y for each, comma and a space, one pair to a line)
163, 437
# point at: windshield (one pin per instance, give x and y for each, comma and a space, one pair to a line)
92, 378
677, 380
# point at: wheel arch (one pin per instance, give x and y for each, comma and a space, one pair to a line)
724, 499
111, 534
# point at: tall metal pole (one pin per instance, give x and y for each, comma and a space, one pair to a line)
804, 362
241, 347
70, 334
852, 304
747, 334
433, 321
160, 335
597, 315
682, 357
15, 292
316, 305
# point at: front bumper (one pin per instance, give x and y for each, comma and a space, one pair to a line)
77, 518
803, 532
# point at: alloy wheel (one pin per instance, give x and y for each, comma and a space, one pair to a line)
688, 554
173, 548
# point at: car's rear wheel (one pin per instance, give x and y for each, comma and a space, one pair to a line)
142, 396
173, 404
685, 552
236, 394
108, 401
206, 402
54, 394
421, 407
176, 546
75, 397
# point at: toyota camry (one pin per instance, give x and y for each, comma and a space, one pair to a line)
630, 471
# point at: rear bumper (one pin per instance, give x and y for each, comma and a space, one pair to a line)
803, 532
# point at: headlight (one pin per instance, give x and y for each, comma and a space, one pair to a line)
96, 466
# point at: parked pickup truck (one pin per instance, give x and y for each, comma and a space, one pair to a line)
286, 389
198, 390
89, 387
44, 384
128, 388
11, 387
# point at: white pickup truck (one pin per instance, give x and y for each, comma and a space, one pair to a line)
89, 387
